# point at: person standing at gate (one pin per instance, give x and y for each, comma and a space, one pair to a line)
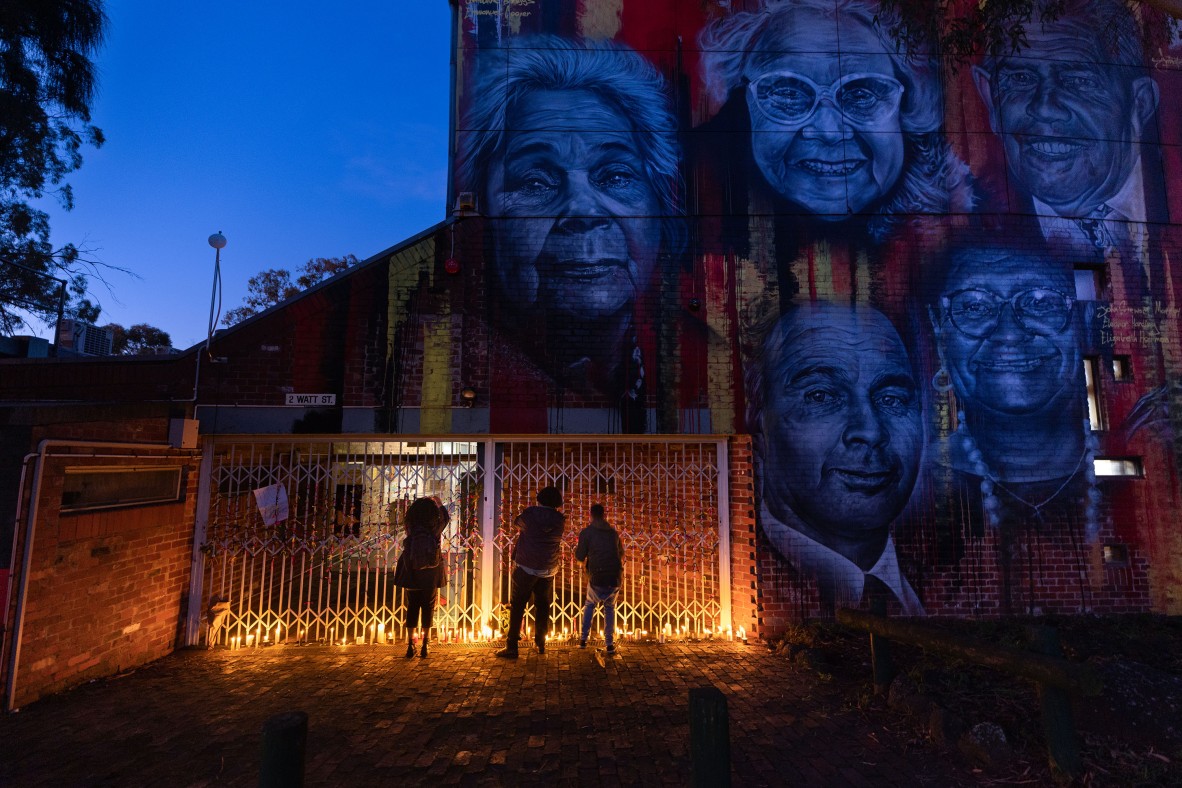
535, 554
421, 570
601, 548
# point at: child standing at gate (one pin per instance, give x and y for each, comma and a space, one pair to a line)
421, 569
601, 548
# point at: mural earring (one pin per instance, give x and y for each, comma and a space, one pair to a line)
942, 381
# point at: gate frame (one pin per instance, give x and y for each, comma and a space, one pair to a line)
488, 519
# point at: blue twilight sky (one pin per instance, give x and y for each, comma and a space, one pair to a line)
299, 129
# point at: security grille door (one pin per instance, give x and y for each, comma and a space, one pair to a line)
663, 500
325, 571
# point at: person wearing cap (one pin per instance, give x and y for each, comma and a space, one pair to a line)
535, 554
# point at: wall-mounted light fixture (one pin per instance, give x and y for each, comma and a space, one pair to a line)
451, 265
468, 395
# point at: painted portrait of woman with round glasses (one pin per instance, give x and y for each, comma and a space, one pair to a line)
1010, 337
842, 124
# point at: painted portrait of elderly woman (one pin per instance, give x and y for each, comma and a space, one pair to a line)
1010, 339
570, 147
841, 126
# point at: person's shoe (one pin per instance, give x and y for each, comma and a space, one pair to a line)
507, 653
410, 650
582, 644
611, 650
541, 648
423, 650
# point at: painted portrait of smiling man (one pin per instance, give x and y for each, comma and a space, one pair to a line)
835, 412
570, 146
1072, 108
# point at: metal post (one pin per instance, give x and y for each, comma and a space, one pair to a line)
201, 523
488, 534
285, 740
710, 738
724, 536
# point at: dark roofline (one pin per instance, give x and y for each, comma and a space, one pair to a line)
380, 257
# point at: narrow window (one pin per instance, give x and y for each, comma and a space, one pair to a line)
87, 489
1092, 382
1119, 467
1122, 369
1116, 555
1089, 282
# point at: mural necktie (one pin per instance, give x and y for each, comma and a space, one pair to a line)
1095, 229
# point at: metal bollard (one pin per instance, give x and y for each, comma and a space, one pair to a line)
285, 738
710, 738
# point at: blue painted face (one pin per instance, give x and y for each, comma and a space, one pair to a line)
572, 209
1069, 124
845, 153
1010, 335
842, 434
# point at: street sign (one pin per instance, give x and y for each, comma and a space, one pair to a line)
311, 400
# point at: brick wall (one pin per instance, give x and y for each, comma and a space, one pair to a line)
744, 586
106, 589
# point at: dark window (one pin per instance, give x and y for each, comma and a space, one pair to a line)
106, 488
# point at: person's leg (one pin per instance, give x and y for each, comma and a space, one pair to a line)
609, 617
588, 613
414, 603
519, 591
543, 597
428, 617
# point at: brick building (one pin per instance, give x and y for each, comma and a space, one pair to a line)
816, 318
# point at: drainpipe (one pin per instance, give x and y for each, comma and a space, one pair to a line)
30, 532
20, 500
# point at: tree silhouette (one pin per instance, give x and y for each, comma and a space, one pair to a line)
47, 85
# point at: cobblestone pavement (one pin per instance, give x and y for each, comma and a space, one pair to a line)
461, 717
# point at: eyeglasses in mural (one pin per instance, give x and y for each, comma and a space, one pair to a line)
934, 294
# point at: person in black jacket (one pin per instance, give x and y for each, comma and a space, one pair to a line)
601, 548
536, 554
421, 570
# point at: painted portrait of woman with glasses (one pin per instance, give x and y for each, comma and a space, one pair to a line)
1010, 337
843, 125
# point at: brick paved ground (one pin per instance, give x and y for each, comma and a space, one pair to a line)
460, 717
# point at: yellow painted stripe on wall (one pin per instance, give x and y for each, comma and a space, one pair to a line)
435, 415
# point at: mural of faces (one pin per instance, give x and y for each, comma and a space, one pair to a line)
1009, 335
825, 129
572, 206
1069, 120
842, 436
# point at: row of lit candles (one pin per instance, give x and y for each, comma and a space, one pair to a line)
378, 634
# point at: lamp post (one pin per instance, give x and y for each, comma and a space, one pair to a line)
218, 242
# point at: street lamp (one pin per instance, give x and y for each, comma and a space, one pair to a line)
218, 242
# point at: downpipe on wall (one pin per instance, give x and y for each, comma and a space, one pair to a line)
40, 456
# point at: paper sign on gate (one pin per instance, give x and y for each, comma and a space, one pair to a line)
272, 503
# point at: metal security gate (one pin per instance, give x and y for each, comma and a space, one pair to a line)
324, 573
663, 498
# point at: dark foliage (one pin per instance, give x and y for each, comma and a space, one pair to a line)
47, 84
